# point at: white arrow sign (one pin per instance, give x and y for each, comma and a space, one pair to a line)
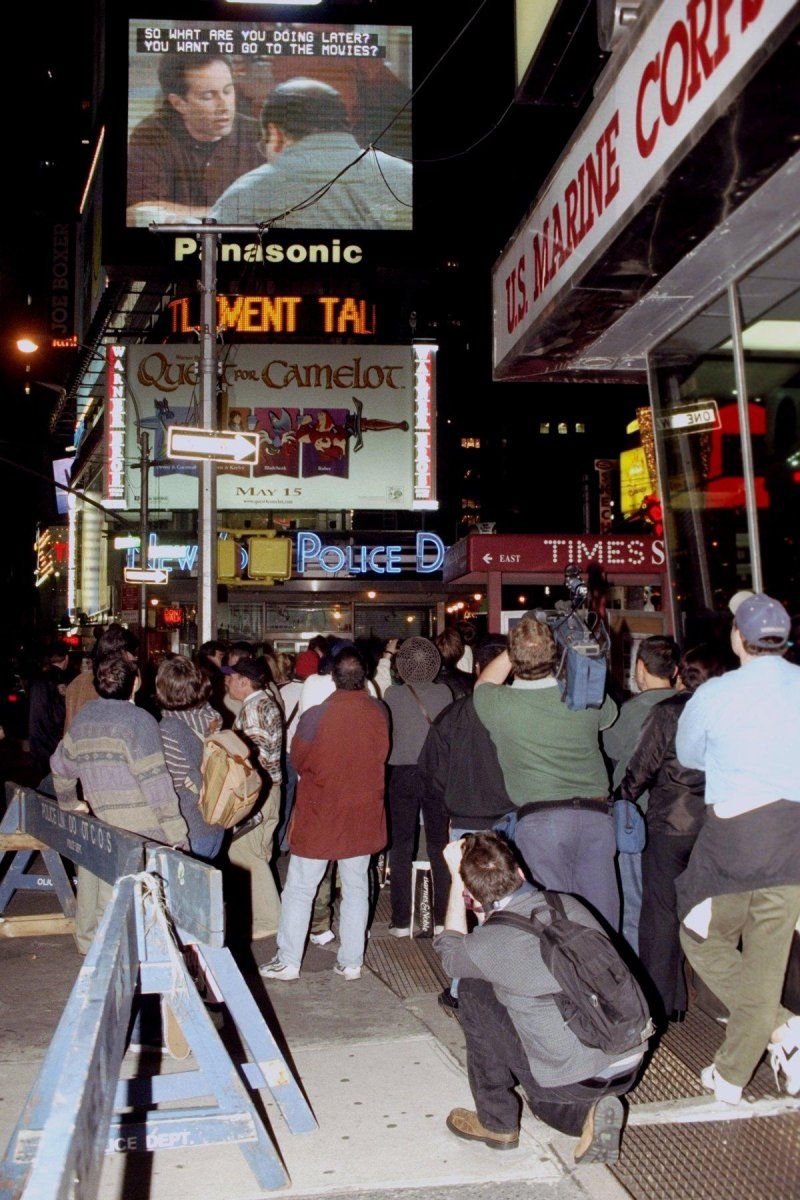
218, 445
487, 558
156, 575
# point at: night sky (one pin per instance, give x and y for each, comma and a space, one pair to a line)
466, 208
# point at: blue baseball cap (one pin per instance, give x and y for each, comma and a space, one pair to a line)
762, 621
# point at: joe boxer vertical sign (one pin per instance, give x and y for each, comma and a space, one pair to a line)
685, 56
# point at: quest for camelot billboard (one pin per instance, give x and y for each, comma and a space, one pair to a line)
339, 426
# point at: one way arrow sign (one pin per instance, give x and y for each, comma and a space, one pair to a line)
155, 575
216, 445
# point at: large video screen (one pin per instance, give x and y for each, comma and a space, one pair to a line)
257, 123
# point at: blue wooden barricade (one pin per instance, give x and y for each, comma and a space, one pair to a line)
22, 848
163, 904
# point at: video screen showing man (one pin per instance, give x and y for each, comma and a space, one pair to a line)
184, 155
316, 174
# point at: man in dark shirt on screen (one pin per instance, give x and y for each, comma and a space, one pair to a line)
184, 155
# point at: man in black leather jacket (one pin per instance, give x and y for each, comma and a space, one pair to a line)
675, 814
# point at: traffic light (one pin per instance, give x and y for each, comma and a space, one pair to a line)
227, 558
269, 557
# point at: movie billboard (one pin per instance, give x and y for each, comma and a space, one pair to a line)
253, 122
338, 426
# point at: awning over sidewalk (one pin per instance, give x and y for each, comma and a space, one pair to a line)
696, 112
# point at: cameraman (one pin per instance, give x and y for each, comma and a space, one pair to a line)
553, 769
512, 1025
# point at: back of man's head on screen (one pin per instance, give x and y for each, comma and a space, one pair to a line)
298, 109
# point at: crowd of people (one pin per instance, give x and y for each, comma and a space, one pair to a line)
667, 825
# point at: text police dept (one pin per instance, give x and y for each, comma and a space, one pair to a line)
358, 560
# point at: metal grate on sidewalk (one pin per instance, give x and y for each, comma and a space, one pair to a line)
756, 1159
674, 1070
409, 966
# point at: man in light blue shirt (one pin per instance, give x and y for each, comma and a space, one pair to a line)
743, 878
316, 174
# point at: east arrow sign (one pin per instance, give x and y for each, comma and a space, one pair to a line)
215, 445
154, 575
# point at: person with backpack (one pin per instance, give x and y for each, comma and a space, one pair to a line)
545, 1000
413, 706
260, 725
187, 718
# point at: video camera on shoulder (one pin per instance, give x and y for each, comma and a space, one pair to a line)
583, 640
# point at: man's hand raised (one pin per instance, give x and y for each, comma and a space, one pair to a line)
453, 853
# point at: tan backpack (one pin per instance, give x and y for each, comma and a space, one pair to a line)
231, 784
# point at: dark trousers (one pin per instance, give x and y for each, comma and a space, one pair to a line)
663, 860
408, 796
572, 850
496, 1061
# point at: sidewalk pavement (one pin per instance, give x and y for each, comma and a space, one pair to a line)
380, 1073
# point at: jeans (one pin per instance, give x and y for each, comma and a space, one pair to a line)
749, 981
630, 877
496, 1060
302, 880
407, 795
663, 859
573, 850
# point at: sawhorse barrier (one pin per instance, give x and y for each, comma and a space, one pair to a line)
23, 847
78, 1109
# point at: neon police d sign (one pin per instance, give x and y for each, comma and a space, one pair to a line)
360, 560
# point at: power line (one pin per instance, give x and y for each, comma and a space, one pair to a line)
470, 148
322, 191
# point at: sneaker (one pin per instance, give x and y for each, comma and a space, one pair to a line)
465, 1124
348, 973
399, 931
276, 968
599, 1140
784, 1054
712, 1081
322, 939
448, 1003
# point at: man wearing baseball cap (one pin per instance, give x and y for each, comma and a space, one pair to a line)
743, 878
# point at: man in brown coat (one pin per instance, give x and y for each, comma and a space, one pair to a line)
339, 749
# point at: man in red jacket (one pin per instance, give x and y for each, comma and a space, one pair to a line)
339, 749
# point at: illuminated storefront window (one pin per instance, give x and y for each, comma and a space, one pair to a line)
730, 464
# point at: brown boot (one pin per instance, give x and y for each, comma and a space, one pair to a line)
465, 1124
599, 1140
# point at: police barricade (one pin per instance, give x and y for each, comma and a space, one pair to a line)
22, 848
164, 904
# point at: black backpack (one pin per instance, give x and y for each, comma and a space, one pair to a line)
599, 998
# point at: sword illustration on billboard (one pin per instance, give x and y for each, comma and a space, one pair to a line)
325, 434
356, 424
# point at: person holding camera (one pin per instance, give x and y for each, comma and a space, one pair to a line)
510, 1011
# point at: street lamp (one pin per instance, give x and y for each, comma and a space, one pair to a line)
27, 345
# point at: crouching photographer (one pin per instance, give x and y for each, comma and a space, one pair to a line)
545, 1001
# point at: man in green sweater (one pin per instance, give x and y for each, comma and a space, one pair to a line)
553, 768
